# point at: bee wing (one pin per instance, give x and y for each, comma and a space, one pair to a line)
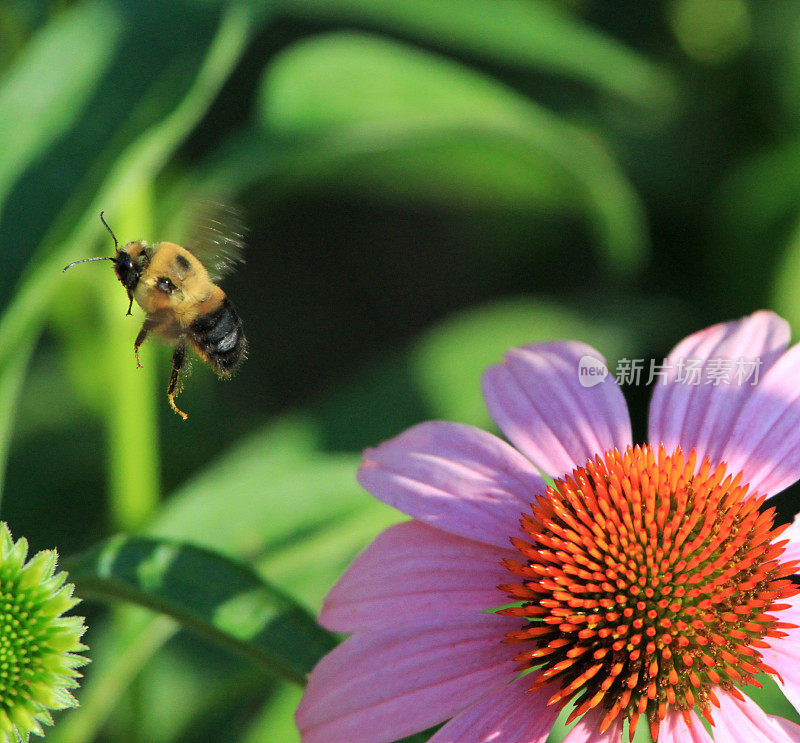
217, 238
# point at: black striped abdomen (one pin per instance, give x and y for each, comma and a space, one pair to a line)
218, 337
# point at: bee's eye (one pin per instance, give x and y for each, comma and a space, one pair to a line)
165, 285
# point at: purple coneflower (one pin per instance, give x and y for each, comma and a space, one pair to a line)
647, 584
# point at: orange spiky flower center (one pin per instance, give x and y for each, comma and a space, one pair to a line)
645, 585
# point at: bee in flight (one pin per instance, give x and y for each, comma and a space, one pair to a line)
181, 301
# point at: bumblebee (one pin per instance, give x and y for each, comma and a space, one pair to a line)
182, 303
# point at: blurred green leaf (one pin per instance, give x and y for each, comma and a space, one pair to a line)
297, 566
275, 721
757, 206
532, 34
760, 193
785, 296
450, 359
50, 83
435, 170
239, 503
177, 699
339, 99
208, 593
776, 26
711, 31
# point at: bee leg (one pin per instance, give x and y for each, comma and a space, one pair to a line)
138, 342
178, 357
130, 306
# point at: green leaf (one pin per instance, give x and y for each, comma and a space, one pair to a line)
756, 206
275, 721
532, 34
450, 358
211, 594
343, 102
49, 85
759, 194
785, 298
264, 489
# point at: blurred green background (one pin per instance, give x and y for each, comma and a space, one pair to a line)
426, 183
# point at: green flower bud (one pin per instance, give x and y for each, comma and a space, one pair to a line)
38, 646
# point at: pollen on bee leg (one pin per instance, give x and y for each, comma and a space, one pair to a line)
174, 387
173, 390
171, 397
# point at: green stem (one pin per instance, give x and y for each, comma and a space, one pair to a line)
130, 404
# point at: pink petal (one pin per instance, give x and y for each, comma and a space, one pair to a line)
587, 729
379, 686
791, 729
784, 653
674, 730
765, 443
454, 477
538, 402
508, 714
746, 722
413, 574
702, 416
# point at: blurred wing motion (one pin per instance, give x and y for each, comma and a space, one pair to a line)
217, 238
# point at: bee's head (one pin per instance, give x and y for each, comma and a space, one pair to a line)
125, 269
129, 262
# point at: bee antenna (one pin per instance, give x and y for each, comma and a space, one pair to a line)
110, 232
84, 260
